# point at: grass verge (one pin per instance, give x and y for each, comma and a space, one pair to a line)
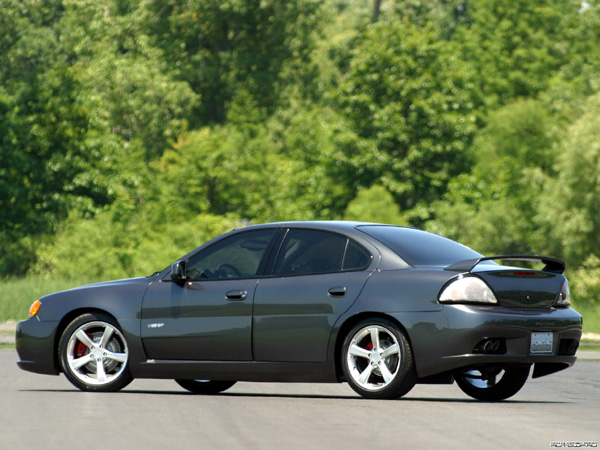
17, 295
591, 317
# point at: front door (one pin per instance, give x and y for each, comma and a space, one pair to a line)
209, 316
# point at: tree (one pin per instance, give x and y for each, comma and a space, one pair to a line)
570, 209
410, 110
223, 47
494, 208
516, 46
375, 204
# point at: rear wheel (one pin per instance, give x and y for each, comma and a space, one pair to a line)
377, 360
206, 387
492, 384
94, 354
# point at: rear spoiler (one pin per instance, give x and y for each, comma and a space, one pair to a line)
553, 265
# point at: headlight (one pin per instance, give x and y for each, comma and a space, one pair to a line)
468, 289
564, 298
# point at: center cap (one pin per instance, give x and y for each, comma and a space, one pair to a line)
376, 357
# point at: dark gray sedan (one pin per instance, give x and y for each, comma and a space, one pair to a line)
377, 306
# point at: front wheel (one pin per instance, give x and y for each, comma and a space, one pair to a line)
94, 354
377, 360
206, 387
492, 384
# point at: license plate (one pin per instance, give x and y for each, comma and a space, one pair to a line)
541, 342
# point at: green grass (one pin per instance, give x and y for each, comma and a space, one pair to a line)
17, 295
591, 317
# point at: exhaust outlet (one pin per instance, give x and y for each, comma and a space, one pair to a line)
490, 346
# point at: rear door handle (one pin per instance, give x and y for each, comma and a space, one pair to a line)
236, 295
337, 291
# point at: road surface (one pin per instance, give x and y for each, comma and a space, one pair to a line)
46, 412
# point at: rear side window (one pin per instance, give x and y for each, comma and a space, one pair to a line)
356, 258
420, 248
306, 252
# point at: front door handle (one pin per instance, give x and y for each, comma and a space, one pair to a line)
337, 291
236, 295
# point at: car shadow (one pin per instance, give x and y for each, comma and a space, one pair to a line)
302, 396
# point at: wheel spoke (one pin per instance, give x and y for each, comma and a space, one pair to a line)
385, 373
391, 350
375, 337
365, 375
84, 339
473, 374
78, 363
100, 373
108, 332
119, 357
359, 352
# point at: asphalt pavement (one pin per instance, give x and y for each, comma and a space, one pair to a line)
40, 411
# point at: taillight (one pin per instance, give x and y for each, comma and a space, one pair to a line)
468, 289
564, 298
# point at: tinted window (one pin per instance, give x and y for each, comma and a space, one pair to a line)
306, 252
356, 258
238, 256
420, 248
310, 252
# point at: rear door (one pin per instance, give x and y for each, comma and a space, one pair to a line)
316, 278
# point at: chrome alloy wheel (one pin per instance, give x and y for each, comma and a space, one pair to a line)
97, 353
491, 383
483, 379
373, 357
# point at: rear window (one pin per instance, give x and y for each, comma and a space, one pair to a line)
420, 248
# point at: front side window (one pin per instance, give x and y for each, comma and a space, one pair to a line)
305, 252
238, 256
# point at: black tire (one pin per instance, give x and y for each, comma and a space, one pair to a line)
94, 355
492, 384
377, 360
205, 387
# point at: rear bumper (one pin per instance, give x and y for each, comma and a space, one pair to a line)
459, 330
35, 342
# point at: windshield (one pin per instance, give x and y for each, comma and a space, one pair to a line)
420, 248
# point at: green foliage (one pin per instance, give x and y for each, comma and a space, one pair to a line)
585, 281
570, 208
410, 107
276, 171
493, 209
222, 47
116, 245
375, 204
515, 45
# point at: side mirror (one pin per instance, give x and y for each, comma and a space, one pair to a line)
178, 272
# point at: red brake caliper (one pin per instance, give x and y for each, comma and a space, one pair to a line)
81, 347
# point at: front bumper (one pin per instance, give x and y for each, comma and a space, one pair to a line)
35, 344
459, 329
